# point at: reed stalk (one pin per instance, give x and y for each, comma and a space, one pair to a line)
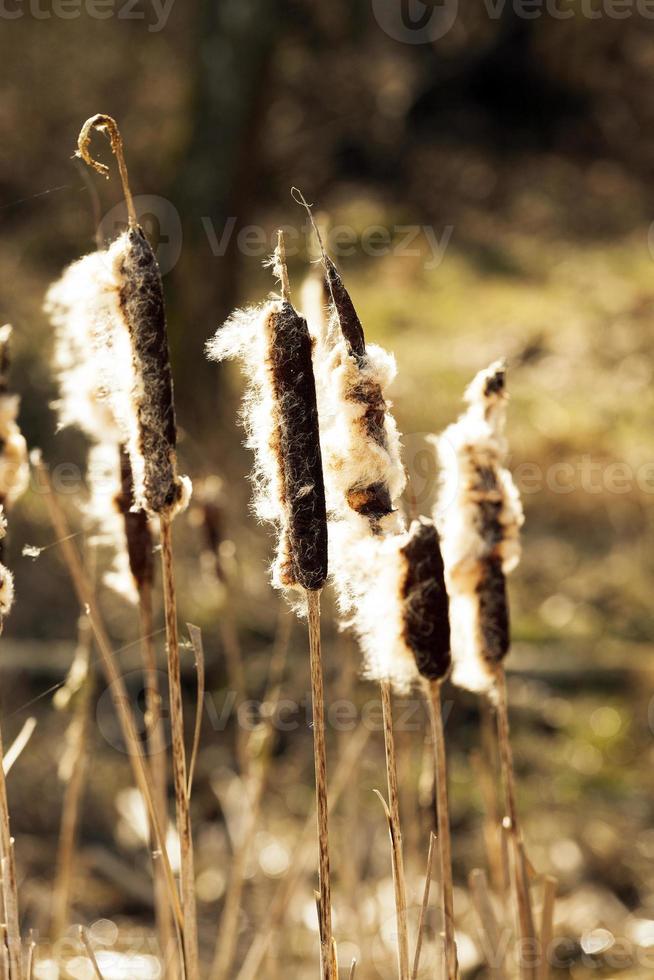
9, 884
320, 767
156, 745
399, 880
450, 964
517, 864
182, 802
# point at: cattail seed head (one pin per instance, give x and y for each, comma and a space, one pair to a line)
479, 515
396, 602
157, 487
281, 419
426, 605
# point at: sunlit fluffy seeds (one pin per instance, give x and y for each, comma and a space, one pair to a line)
479, 515
280, 416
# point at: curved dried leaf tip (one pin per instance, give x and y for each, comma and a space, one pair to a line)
14, 466
397, 605
280, 415
479, 514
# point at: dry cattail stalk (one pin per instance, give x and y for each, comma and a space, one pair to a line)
7, 858
137, 378
480, 514
280, 414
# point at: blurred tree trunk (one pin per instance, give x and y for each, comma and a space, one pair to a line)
219, 184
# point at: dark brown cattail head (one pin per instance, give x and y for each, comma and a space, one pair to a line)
425, 601
142, 304
348, 317
300, 459
137, 527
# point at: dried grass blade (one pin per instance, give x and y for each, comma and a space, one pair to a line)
195, 635
16, 748
424, 906
490, 927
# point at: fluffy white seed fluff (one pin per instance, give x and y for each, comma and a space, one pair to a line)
93, 362
369, 574
472, 451
247, 336
364, 555
351, 457
106, 522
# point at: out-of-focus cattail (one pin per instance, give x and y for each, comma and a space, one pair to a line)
14, 467
280, 415
479, 515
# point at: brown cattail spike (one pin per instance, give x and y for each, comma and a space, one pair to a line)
106, 124
347, 315
425, 601
299, 443
142, 303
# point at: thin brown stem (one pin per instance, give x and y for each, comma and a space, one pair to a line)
9, 886
114, 679
518, 869
320, 765
451, 968
282, 269
399, 881
156, 745
182, 806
